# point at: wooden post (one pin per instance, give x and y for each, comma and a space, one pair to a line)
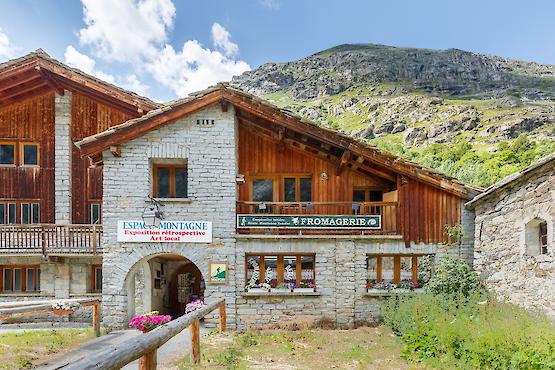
96, 319
148, 361
195, 341
223, 321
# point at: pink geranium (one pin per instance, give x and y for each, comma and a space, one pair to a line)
149, 321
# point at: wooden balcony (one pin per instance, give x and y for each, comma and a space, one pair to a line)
50, 239
387, 212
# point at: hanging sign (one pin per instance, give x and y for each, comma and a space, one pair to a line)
308, 222
166, 232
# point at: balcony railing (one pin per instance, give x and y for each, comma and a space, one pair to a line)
50, 239
386, 210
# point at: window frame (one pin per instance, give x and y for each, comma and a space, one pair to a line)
24, 270
92, 204
94, 268
22, 153
172, 167
278, 180
15, 154
18, 205
543, 237
280, 266
396, 266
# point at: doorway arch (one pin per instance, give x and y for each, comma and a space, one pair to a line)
163, 282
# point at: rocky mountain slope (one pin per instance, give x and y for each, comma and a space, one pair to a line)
454, 110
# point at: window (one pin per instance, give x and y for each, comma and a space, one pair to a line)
96, 280
543, 237
19, 212
410, 270
263, 190
536, 237
29, 154
95, 213
7, 154
170, 181
363, 195
297, 189
20, 278
30, 213
281, 270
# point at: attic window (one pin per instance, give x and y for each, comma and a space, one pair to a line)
205, 122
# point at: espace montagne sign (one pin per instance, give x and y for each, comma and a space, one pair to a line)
166, 232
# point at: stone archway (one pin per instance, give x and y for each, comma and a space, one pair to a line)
163, 282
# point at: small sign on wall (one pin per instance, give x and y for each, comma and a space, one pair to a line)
218, 272
166, 232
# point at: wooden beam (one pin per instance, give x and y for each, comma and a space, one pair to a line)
16, 81
50, 80
345, 157
224, 105
115, 150
30, 93
195, 341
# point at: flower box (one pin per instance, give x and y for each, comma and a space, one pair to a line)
149, 321
280, 290
303, 290
59, 312
257, 290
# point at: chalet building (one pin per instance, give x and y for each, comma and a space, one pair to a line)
514, 248
216, 195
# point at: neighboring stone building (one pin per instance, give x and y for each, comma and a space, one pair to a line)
514, 248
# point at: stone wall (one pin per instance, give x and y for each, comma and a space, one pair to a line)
210, 151
340, 276
500, 253
62, 154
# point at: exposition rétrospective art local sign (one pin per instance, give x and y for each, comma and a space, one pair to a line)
308, 222
166, 232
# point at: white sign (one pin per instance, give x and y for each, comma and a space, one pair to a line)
167, 232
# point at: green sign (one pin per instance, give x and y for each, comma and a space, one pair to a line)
308, 222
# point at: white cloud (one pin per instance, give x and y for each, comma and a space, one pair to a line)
7, 50
85, 63
193, 68
132, 83
126, 30
222, 40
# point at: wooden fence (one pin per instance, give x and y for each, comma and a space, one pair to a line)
25, 308
145, 346
50, 239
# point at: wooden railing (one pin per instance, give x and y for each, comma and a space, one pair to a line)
10, 310
50, 239
387, 211
145, 346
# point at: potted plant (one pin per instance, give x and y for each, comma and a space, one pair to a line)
149, 321
305, 287
281, 287
370, 284
65, 307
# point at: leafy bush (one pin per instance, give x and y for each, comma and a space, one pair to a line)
468, 333
453, 277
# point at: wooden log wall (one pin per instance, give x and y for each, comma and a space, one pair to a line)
88, 117
425, 210
261, 156
30, 120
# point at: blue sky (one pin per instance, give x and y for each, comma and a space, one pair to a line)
164, 48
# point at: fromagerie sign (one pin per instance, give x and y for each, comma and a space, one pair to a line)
167, 232
308, 222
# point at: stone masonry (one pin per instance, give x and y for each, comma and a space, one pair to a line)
62, 154
501, 252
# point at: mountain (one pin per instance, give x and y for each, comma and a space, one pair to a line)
473, 116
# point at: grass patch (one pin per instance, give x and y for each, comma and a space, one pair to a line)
362, 348
23, 349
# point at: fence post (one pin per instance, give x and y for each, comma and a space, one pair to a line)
96, 319
148, 361
43, 241
93, 239
195, 341
223, 321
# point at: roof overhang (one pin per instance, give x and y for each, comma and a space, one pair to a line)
93, 146
37, 73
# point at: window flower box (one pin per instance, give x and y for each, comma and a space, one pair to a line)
304, 290
257, 290
65, 308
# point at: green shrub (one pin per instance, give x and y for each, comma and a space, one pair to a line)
473, 332
453, 277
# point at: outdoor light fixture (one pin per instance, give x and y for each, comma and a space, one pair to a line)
356, 207
309, 206
152, 215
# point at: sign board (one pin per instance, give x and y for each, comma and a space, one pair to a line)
309, 222
166, 232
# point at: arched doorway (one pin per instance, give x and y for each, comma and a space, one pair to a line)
164, 283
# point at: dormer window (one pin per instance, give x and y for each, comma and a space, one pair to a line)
170, 181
